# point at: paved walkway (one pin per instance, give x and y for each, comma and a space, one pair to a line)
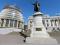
16, 39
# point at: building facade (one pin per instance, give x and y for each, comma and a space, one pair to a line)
52, 23
11, 18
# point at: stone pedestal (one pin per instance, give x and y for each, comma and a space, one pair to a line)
37, 24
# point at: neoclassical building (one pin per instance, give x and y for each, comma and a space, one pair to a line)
11, 19
51, 23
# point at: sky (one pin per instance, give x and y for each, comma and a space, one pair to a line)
50, 7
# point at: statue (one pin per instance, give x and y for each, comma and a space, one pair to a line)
36, 6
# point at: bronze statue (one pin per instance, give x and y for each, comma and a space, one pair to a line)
36, 6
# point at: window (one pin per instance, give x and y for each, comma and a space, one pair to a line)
38, 29
30, 23
11, 13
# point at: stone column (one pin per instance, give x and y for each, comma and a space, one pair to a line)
9, 23
17, 24
21, 26
0, 22
45, 23
59, 22
51, 23
54, 22
4, 23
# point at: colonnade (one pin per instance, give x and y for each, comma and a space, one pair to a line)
10, 23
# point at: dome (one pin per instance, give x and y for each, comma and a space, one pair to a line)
12, 7
11, 12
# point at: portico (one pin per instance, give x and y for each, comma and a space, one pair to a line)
10, 23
